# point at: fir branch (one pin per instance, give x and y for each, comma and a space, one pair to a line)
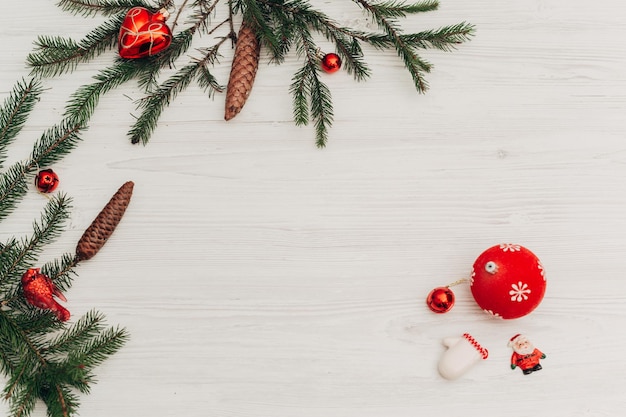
83, 101
99, 348
61, 271
446, 38
412, 61
205, 79
54, 56
153, 105
147, 78
60, 400
24, 348
298, 90
346, 42
291, 15
15, 110
78, 335
307, 86
24, 402
13, 188
299, 87
56, 212
9, 357
200, 18
33, 366
257, 16
55, 143
321, 109
37, 323
50, 225
15, 383
105, 7
395, 9
8, 362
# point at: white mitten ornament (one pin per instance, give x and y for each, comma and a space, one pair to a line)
463, 353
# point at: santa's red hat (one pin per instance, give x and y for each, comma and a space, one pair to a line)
515, 338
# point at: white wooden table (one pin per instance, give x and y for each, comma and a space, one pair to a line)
262, 277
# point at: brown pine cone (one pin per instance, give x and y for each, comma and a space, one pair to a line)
104, 224
243, 70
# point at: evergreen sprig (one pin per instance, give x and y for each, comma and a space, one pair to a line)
89, 8
55, 55
42, 358
53, 145
281, 25
14, 112
83, 101
157, 101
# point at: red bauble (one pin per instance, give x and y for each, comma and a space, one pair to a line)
39, 291
508, 281
46, 181
331, 63
143, 33
440, 300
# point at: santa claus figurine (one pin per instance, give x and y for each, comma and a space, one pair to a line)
525, 355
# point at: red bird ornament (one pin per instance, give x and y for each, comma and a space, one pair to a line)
39, 291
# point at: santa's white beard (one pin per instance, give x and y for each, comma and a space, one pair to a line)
525, 351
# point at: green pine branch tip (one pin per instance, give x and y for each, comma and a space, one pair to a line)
90, 8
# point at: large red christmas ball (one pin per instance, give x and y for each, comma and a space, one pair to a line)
508, 281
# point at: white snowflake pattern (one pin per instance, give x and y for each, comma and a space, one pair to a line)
541, 270
472, 277
519, 292
510, 247
491, 313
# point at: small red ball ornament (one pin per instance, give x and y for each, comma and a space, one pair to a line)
46, 181
440, 300
508, 281
143, 33
331, 63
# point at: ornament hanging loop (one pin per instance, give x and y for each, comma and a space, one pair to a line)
165, 13
319, 54
457, 282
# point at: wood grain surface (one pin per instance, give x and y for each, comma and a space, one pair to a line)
260, 276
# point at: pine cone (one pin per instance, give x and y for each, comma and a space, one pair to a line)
104, 224
243, 70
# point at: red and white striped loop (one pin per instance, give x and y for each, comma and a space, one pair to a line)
484, 352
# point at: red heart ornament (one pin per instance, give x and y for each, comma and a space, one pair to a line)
143, 33
508, 281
